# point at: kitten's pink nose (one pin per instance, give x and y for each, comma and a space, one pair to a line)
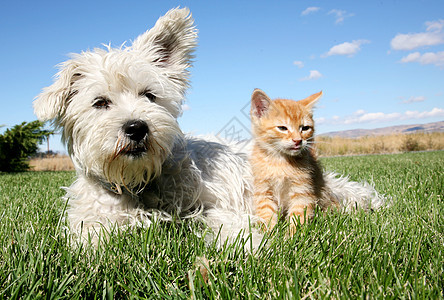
297, 142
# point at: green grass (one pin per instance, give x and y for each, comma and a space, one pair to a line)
396, 252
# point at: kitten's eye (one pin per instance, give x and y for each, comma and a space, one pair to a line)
101, 103
305, 128
150, 96
282, 128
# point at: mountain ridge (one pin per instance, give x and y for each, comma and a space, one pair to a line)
399, 129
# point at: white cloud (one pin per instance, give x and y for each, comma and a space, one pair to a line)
412, 57
310, 10
340, 15
347, 48
435, 25
185, 107
414, 99
433, 36
429, 58
372, 117
435, 112
361, 116
320, 120
298, 63
416, 40
314, 74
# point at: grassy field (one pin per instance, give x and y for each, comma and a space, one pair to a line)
394, 143
53, 163
396, 252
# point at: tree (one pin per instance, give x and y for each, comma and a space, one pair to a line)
46, 134
19, 143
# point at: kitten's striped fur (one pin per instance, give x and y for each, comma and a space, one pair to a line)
288, 180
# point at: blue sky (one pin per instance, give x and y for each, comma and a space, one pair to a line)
379, 63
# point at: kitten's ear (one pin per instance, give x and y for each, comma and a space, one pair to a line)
310, 101
260, 103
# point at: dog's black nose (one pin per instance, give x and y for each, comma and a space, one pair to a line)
136, 130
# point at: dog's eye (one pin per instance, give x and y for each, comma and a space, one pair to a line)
150, 96
101, 103
305, 128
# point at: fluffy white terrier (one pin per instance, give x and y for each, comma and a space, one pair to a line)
117, 109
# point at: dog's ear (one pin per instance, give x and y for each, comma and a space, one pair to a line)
51, 103
170, 43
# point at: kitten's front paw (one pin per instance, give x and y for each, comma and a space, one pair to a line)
295, 221
267, 225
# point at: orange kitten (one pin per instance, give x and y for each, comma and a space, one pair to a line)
288, 180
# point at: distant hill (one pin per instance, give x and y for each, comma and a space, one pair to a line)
429, 127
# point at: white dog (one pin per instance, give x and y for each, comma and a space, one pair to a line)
117, 109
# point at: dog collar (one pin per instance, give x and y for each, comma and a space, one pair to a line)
122, 190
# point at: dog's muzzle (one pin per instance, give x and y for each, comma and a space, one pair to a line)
137, 132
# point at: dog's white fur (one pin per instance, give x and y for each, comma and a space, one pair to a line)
126, 182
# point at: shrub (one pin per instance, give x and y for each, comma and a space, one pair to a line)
410, 144
19, 143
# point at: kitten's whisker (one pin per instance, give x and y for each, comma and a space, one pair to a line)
319, 142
